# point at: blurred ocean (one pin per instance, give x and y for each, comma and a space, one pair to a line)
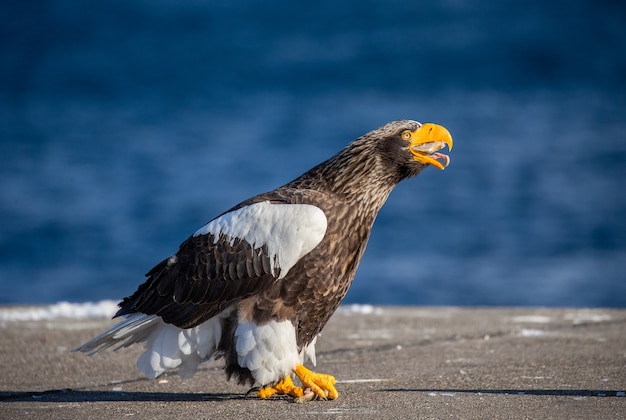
126, 125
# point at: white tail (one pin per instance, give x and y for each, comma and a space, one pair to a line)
167, 346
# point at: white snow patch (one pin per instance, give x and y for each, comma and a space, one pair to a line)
587, 315
532, 319
362, 309
86, 310
531, 332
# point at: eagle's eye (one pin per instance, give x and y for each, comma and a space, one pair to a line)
406, 134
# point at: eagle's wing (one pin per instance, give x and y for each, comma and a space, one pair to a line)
233, 256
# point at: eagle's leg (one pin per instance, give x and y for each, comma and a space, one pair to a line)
321, 384
284, 387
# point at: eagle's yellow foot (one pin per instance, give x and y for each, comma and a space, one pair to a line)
320, 384
284, 387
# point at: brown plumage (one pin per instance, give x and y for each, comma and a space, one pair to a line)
232, 274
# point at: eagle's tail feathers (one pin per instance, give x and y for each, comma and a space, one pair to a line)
134, 329
167, 346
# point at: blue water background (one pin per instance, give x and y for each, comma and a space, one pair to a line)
126, 125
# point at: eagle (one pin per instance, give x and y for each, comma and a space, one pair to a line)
256, 284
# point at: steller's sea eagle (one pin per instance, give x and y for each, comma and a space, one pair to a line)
257, 284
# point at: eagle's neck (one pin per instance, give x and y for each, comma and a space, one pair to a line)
357, 175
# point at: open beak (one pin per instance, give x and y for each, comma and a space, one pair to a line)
425, 143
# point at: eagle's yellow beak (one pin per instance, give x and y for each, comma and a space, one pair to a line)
426, 141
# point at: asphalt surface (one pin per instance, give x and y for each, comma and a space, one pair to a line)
470, 363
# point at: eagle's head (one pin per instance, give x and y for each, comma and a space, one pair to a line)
406, 147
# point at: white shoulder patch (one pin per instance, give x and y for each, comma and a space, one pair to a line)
290, 231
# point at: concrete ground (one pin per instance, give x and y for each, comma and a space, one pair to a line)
392, 362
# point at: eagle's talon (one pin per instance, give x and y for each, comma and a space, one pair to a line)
321, 384
283, 387
314, 386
